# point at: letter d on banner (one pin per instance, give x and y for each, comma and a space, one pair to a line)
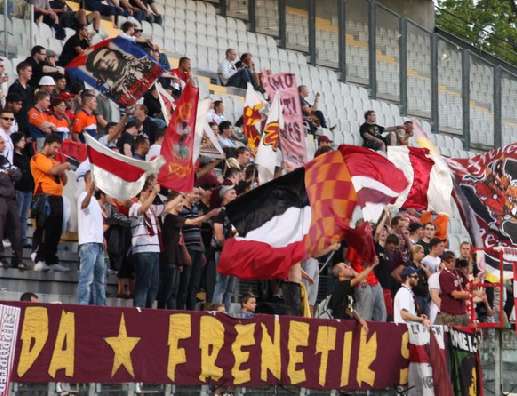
9, 321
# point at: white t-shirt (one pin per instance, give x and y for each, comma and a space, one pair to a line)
90, 221
9, 146
144, 238
154, 151
212, 116
434, 283
404, 299
432, 263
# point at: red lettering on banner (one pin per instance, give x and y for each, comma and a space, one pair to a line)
292, 139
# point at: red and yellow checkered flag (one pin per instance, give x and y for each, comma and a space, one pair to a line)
332, 198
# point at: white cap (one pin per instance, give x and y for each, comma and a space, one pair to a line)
47, 80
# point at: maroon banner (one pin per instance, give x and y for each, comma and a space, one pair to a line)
83, 344
178, 145
292, 137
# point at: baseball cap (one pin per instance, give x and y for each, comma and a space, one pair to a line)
408, 271
47, 80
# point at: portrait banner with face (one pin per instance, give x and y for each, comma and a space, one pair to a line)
118, 68
178, 144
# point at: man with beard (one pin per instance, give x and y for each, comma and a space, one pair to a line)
404, 309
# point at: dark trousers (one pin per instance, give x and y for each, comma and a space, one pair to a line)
147, 279
198, 260
60, 31
47, 235
190, 280
104, 9
169, 285
10, 226
240, 79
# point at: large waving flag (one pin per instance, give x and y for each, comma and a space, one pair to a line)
296, 216
268, 153
430, 181
178, 145
377, 181
119, 176
252, 116
118, 68
485, 191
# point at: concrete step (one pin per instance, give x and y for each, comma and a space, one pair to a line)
51, 298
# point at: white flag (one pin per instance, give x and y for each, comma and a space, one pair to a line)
166, 102
268, 154
205, 137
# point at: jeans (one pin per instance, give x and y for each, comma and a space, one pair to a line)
423, 305
369, 302
147, 279
92, 274
224, 286
105, 10
240, 79
24, 199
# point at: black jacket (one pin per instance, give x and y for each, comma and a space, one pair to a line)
26, 182
9, 174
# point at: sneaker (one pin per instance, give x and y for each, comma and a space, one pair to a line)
138, 387
6, 243
41, 266
33, 257
59, 268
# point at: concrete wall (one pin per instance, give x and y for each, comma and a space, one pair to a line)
420, 11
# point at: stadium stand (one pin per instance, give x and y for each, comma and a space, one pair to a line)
194, 29
197, 29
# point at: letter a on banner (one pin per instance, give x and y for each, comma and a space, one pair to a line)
9, 321
178, 145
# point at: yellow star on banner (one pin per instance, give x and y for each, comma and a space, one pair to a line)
122, 346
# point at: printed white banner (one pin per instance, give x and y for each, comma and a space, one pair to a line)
9, 321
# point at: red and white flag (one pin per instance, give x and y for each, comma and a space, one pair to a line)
377, 180
269, 155
119, 176
178, 144
430, 181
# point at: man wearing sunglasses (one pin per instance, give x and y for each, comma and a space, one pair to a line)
404, 309
6, 122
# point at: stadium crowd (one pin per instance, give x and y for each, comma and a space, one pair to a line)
164, 246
